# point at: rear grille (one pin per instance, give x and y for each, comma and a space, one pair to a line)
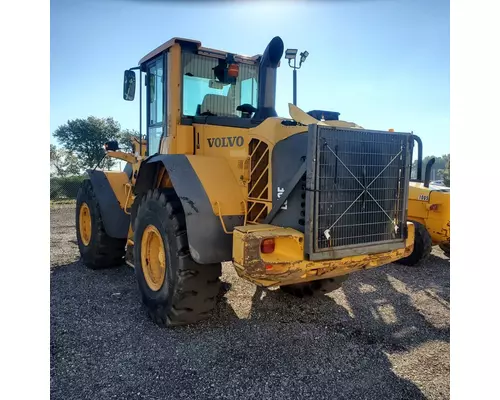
258, 187
357, 184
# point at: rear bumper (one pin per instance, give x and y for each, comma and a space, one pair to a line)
286, 265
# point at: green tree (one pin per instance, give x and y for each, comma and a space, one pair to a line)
439, 166
63, 163
85, 139
446, 172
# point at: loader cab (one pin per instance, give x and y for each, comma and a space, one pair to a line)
186, 84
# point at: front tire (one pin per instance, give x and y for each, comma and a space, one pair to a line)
422, 247
97, 249
314, 288
174, 288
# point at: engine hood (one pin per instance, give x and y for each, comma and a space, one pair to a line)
302, 117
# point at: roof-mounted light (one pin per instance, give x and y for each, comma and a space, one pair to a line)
290, 54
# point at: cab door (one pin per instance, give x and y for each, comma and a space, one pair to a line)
156, 107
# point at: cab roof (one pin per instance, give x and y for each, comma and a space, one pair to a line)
204, 50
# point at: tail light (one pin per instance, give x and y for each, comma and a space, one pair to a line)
433, 207
267, 246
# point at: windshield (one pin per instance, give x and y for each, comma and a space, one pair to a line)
203, 95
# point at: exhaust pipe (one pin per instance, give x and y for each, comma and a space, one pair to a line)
419, 159
267, 79
428, 168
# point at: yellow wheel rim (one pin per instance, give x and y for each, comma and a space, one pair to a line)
153, 257
85, 224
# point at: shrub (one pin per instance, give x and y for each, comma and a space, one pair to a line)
65, 188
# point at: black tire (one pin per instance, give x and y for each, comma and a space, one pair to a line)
421, 249
313, 288
446, 249
189, 290
102, 251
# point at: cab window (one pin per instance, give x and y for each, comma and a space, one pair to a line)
156, 109
204, 95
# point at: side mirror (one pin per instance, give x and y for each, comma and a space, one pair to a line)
128, 85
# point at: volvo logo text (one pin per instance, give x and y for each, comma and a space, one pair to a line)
226, 141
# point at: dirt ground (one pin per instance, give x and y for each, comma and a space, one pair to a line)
384, 335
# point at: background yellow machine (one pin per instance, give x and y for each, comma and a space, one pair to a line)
296, 203
429, 210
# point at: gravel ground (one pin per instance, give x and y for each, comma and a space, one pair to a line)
384, 335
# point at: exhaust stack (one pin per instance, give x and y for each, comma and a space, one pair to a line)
267, 79
428, 168
419, 159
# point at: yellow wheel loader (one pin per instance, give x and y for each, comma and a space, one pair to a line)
297, 203
429, 211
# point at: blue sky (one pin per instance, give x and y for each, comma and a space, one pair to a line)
380, 63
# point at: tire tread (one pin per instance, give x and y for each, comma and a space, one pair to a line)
422, 247
104, 250
196, 286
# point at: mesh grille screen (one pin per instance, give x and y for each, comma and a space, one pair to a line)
360, 187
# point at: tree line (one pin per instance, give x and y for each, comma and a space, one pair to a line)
82, 147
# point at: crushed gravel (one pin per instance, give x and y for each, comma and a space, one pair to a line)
384, 335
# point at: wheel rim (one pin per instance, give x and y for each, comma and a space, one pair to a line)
153, 257
85, 223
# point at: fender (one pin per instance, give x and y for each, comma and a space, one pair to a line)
109, 188
205, 187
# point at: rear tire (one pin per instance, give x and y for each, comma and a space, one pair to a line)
97, 249
186, 292
313, 288
446, 249
422, 247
